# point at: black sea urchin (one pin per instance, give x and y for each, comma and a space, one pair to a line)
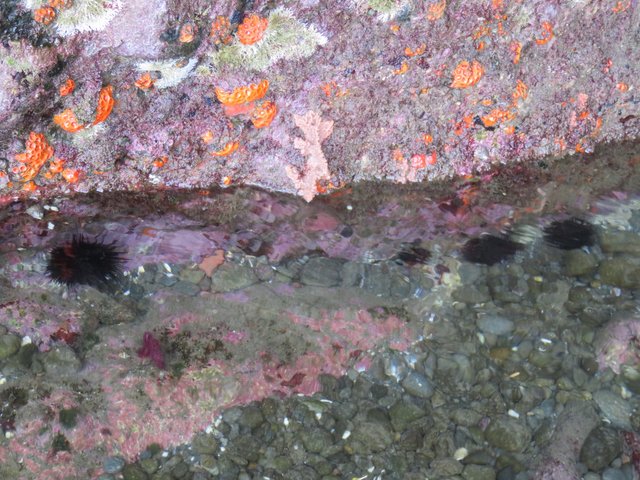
489, 249
86, 262
570, 234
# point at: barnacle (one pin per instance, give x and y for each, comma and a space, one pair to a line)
44, 15
67, 88
67, 121
436, 10
105, 104
547, 33
145, 82
467, 74
252, 29
264, 114
244, 94
37, 152
228, 149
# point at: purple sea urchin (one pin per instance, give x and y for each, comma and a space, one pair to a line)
85, 262
489, 249
570, 234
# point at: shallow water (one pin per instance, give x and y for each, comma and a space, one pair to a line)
346, 338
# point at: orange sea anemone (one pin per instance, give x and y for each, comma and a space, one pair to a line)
221, 30
436, 10
187, 33
228, 149
244, 94
252, 29
61, 4
67, 121
145, 82
67, 87
264, 114
467, 74
37, 152
44, 15
105, 104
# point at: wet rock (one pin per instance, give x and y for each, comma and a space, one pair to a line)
495, 325
600, 448
579, 263
186, 288
403, 413
133, 472
316, 440
446, 467
192, 275
113, 464
371, 437
620, 272
9, 344
614, 408
106, 309
25, 356
149, 465
615, 241
230, 276
322, 272
472, 294
251, 417
614, 474
508, 434
205, 444
352, 274
418, 385
61, 360
478, 472
377, 280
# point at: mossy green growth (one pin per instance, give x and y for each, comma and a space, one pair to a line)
383, 6
60, 443
285, 38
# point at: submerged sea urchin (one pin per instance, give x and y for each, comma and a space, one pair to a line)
85, 262
570, 234
489, 249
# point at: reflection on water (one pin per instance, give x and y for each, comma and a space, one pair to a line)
483, 330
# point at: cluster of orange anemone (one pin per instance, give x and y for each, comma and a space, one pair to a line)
252, 29
47, 13
67, 118
240, 99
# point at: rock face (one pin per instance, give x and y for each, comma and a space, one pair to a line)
307, 98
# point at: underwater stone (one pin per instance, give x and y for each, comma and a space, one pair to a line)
600, 448
418, 385
9, 344
612, 241
60, 361
620, 272
579, 262
403, 413
508, 434
614, 408
322, 272
371, 437
495, 325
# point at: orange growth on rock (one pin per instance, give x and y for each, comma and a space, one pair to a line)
56, 165
187, 33
623, 87
620, 7
71, 175
467, 74
160, 162
521, 91
61, 4
67, 121
516, 49
547, 33
404, 68
37, 152
264, 114
30, 186
221, 30
252, 29
418, 51
44, 15
496, 116
226, 181
67, 87
436, 10
427, 138
228, 149
105, 104
145, 82
243, 94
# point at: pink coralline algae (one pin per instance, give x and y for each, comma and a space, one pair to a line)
617, 344
152, 349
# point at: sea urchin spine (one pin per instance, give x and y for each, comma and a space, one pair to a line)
86, 262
